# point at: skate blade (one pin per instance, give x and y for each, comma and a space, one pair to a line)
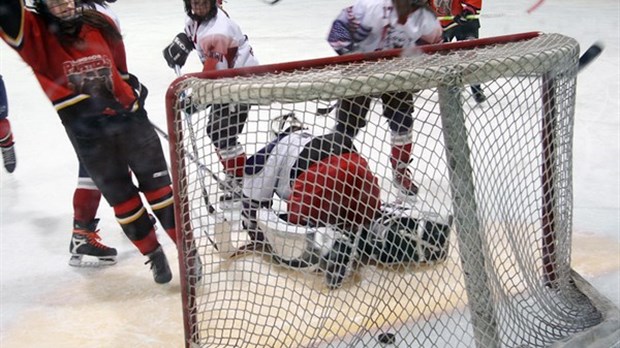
91, 261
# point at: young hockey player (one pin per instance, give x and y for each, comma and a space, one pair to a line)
85, 239
79, 59
460, 19
374, 25
220, 44
7, 145
334, 210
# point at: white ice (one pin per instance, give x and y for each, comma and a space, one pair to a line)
44, 302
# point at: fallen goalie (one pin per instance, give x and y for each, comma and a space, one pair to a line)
334, 216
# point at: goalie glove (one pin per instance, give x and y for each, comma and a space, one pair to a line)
177, 51
467, 14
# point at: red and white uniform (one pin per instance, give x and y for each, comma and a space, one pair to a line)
323, 179
372, 25
220, 43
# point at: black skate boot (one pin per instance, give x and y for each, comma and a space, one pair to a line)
8, 157
85, 242
159, 266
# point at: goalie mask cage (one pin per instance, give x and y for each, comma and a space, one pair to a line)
501, 170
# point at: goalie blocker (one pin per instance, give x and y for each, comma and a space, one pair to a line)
334, 212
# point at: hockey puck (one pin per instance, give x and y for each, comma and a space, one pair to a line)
386, 338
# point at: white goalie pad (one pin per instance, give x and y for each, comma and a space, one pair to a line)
295, 245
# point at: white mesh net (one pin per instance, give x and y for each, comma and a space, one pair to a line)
479, 256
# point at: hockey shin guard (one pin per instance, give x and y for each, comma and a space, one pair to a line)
162, 204
136, 224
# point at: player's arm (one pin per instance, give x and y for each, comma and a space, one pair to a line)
12, 13
430, 27
347, 31
220, 51
177, 51
468, 10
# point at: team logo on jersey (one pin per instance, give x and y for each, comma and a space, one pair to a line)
90, 75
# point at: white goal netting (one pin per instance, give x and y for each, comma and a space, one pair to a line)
479, 256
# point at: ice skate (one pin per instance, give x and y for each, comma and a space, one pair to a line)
85, 242
232, 188
8, 157
159, 266
404, 182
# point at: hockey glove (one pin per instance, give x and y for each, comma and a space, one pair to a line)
463, 17
176, 53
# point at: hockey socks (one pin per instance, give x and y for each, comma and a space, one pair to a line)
7, 146
162, 204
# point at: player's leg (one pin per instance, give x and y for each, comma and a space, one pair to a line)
470, 31
351, 115
148, 164
85, 239
226, 122
398, 109
106, 159
7, 145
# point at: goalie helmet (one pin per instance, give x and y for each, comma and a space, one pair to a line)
199, 17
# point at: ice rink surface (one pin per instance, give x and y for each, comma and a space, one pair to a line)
46, 303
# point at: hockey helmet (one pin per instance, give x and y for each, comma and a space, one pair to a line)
213, 7
59, 10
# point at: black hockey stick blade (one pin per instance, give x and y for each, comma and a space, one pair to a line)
590, 55
327, 110
271, 2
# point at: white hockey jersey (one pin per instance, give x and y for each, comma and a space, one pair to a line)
271, 167
222, 39
372, 25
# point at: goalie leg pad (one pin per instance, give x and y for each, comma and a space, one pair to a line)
294, 245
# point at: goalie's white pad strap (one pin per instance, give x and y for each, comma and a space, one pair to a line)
290, 241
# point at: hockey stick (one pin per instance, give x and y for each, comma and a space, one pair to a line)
271, 2
223, 228
590, 55
327, 110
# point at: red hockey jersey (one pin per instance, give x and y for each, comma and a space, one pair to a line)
447, 9
94, 67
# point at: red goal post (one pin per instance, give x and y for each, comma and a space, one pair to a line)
502, 170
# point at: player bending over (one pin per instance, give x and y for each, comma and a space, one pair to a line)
377, 25
334, 210
220, 45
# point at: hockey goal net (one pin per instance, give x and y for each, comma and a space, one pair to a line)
498, 173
